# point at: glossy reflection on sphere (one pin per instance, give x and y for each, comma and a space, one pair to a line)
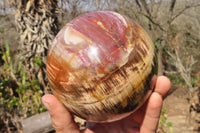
100, 66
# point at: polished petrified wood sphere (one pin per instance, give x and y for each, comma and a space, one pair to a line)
100, 66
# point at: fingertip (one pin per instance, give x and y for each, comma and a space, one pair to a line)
54, 105
165, 79
61, 118
50, 101
46, 100
47, 97
163, 86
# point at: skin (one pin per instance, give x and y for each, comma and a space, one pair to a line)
144, 120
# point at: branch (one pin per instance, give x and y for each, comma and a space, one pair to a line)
183, 10
183, 70
144, 3
171, 72
153, 22
138, 4
173, 2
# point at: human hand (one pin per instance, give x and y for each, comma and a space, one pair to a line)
144, 120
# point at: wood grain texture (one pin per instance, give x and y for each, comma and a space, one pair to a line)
100, 66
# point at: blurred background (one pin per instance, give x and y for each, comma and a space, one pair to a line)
27, 28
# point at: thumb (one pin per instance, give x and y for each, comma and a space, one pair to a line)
61, 118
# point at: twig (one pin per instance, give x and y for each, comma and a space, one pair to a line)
153, 22
171, 72
183, 10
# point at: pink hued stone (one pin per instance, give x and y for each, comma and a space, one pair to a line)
100, 66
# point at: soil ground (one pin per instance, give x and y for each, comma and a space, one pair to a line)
177, 108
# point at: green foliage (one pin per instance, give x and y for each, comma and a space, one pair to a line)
156, 45
1, 16
6, 54
2, 30
194, 81
12, 103
176, 79
163, 117
38, 61
19, 95
3, 90
169, 124
164, 123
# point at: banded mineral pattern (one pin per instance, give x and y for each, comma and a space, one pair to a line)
100, 64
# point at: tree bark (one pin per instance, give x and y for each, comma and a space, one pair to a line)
160, 59
37, 22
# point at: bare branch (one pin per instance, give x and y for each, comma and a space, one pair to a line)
171, 72
138, 4
183, 10
145, 7
173, 2
153, 22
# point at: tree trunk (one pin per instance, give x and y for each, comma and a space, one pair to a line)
160, 59
37, 22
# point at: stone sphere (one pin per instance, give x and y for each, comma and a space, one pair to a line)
100, 66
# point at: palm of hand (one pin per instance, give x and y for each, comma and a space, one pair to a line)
130, 124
